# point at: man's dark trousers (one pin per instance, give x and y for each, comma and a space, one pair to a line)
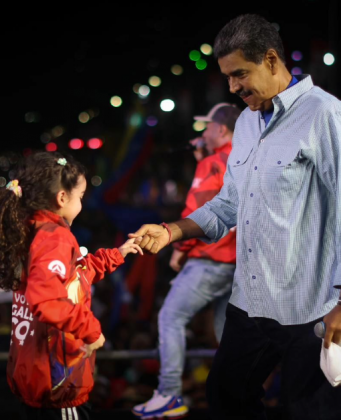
249, 350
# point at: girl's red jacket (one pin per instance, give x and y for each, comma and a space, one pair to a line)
52, 319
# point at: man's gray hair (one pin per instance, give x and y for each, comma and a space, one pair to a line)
252, 34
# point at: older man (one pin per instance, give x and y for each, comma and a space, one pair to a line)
283, 185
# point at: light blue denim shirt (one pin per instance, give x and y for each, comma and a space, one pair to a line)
282, 188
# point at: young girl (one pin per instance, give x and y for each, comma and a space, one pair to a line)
54, 332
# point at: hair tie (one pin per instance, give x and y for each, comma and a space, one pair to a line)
62, 161
15, 187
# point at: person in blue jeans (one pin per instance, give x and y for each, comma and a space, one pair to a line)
205, 271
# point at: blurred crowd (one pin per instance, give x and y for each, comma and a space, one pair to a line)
127, 302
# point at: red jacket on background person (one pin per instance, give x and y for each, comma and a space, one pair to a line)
52, 319
207, 182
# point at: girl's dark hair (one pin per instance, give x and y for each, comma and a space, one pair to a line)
252, 34
40, 177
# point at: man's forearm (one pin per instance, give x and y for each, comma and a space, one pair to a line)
185, 229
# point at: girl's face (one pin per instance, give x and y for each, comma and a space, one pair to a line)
71, 204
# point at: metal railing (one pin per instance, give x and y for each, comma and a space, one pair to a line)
138, 354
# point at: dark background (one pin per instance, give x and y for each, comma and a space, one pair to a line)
61, 59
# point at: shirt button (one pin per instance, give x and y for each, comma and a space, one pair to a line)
262, 141
247, 222
251, 195
250, 250
254, 277
238, 161
279, 162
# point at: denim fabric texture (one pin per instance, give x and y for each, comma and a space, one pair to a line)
199, 282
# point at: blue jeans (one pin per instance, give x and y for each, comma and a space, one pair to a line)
198, 283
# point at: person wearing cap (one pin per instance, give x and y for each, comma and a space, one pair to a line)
283, 186
205, 271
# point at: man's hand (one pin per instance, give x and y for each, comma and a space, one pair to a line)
177, 260
200, 152
154, 238
89, 348
333, 326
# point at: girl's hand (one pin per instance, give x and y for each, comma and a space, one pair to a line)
89, 348
130, 247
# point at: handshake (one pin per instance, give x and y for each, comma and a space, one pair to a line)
152, 238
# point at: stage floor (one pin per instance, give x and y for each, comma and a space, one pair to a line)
194, 414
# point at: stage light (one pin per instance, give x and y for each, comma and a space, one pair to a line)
199, 126
206, 49
57, 131
45, 137
328, 59
51, 147
296, 71
135, 120
136, 88
116, 101
154, 81
4, 164
13, 158
167, 105
83, 250
3, 181
76, 144
297, 55
83, 117
194, 55
95, 143
32, 117
26, 152
29, 117
153, 63
96, 181
144, 91
93, 112
201, 64
151, 121
177, 69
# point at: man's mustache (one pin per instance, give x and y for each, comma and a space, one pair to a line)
243, 93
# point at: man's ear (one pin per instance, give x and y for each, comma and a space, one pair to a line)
61, 198
272, 59
224, 131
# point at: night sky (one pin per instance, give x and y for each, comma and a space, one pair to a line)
59, 62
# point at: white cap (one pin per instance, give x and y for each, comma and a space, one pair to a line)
222, 113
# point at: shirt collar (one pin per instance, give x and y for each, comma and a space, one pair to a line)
286, 98
227, 147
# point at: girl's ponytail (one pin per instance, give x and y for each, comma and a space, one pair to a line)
14, 236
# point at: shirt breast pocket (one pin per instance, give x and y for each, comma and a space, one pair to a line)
239, 162
283, 170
